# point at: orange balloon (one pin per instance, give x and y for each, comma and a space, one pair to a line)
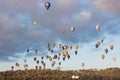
111, 47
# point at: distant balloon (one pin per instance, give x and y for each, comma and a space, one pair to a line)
53, 63
35, 23
48, 45
63, 30
114, 58
102, 56
12, 67
25, 65
36, 51
63, 58
96, 45
106, 50
53, 45
27, 50
42, 57
111, 47
37, 61
36, 67
59, 45
47, 5
35, 58
59, 63
76, 52
82, 64
52, 51
72, 29
76, 47
97, 27
17, 64
70, 47
101, 40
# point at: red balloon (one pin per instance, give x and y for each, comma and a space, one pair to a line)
63, 30
70, 47
36, 67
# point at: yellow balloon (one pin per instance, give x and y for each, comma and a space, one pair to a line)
35, 23
76, 47
102, 56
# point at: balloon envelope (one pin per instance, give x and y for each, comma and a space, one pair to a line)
47, 5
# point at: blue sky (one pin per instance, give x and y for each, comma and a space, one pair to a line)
17, 32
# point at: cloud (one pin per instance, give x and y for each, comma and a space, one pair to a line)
107, 5
17, 32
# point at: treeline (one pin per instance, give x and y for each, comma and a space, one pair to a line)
91, 74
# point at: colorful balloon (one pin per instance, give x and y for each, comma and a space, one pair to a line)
97, 27
72, 29
63, 30
47, 5
102, 56
111, 47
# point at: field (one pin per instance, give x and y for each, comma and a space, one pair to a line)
90, 74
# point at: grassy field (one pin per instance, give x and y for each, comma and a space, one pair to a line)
91, 74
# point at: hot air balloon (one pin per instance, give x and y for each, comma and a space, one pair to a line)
27, 50
53, 45
59, 54
40, 67
49, 49
63, 47
101, 40
72, 29
59, 63
58, 58
63, 30
48, 45
35, 23
52, 51
82, 64
68, 56
76, 47
76, 52
53, 63
97, 27
12, 67
55, 57
59, 45
96, 45
35, 58
114, 58
70, 47
36, 67
42, 62
17, 64
25, 65
36, 51
37, 61
64, 58
106, 50
47, 5
111, 47
102, 56
42, 57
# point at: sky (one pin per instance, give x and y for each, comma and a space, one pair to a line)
17, 32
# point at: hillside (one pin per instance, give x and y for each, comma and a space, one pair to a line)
91, 74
